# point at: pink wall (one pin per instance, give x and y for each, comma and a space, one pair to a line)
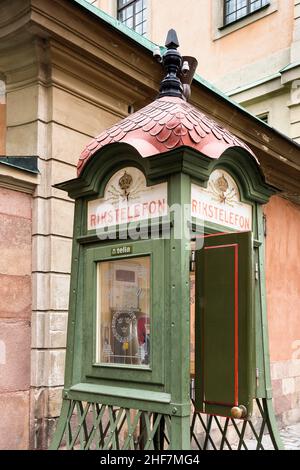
15, 315
283, 278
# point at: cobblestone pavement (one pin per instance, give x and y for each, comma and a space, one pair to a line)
290, 437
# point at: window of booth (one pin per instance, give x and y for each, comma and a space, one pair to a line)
123, 311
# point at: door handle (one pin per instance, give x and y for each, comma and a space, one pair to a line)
238, 412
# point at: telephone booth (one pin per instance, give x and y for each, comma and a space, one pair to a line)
167, 336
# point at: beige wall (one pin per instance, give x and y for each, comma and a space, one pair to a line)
2, 128
252, 50
197, 21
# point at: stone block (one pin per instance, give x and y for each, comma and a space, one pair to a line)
22, 140
61, 171
67, 144
59, 285
62, 213
15, 366
39, 402
41, 216
61, 252
277, 387
48, 367
295, 400
15, 203
49, 330
14, 422
41, 291
85, 117
58, 329
40, 330
15, 244
54, 402
50, 291
279, 370
17, 114
291, 417
57, 368
288, 386
15, 295
41, 254
282, 404
294, 368
54, 172
40, 367
297, 384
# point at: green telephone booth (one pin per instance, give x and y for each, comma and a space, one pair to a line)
167, 335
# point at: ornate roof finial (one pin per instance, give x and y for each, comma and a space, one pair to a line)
172, 61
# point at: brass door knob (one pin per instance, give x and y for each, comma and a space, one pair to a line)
238, 412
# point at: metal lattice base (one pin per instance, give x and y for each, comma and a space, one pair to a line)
216, 433
92, 426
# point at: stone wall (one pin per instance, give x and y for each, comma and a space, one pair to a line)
15, 317
283, 304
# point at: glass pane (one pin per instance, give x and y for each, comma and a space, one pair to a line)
123, 314
139, 6
121, 3
128, 12
139, 28
129, 22
242, 12
230, 6
241, 4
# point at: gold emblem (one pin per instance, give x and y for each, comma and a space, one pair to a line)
126, 189
222, 191
125, 182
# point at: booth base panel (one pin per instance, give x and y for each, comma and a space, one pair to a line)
94, 426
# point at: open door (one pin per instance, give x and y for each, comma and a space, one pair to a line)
225, 336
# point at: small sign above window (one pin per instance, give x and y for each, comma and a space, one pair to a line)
127, 198
220, 203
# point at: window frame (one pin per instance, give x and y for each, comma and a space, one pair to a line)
134, 25
219, 30
249, 12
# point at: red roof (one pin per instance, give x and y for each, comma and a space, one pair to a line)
164, 125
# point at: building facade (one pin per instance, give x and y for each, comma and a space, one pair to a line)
61, 86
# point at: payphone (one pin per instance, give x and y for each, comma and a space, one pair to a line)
165, 182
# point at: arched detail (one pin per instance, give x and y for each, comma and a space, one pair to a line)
98, 170
246, 171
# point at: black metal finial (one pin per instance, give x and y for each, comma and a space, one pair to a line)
172, 61
172, 40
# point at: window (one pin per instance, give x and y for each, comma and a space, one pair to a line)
132, 13
124, 311
264, 117
236, 9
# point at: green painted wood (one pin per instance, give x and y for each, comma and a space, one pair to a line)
179, 252
61, 425
124, 392
225, 376
164, 388
118, 373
